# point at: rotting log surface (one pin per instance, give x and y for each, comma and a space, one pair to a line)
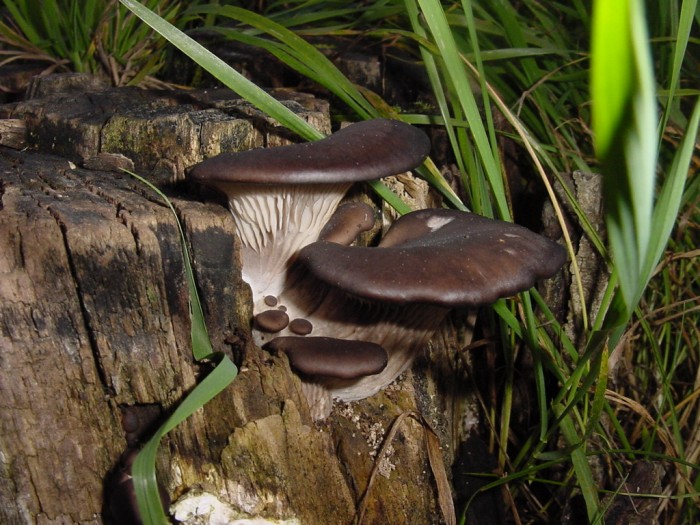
94, 325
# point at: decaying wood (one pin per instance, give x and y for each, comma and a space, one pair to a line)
563, 293
162, 132
13, 133
94, 327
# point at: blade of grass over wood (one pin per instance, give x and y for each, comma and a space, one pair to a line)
201, 344
143, 470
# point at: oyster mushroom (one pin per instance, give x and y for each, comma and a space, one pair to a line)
397, 294
282, 197
321, 360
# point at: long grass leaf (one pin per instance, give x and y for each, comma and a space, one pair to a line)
680, 46
624, 123
143, 470
144, 467
325, 72
671, 194
584, 475
461, 87
24, 23
201, 344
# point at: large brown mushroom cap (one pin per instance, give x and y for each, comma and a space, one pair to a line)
362, 151
441, 257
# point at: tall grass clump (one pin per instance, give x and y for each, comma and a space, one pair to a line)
577, 88
92, 36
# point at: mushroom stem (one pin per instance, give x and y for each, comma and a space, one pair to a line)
273, 223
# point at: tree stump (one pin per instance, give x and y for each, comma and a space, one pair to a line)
94, 327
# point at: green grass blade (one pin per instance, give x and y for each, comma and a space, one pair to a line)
201, 344
454, 69
20, 17
671, 194
584, 475
624, 123
143, 470
679, 50
323, 70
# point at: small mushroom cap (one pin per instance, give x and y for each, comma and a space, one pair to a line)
443, 257
362, 151
331, 358
347, 222
271, 321
301, 326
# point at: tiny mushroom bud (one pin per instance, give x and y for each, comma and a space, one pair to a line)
270, 300
271, 321
301, 326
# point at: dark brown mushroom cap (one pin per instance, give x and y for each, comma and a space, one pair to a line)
271, 321
362, 151
301, 326
347, 222
441, 257
331, 358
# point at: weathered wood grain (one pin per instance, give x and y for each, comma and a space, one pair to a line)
161, 132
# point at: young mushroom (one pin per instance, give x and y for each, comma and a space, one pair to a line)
282, 197
322, 360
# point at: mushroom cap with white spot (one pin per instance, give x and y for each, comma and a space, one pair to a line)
443, 257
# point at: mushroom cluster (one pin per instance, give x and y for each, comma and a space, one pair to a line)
351, 318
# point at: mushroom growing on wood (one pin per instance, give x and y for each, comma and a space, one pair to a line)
442, 257
282, 197
309, 282
322, 360
397, 294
